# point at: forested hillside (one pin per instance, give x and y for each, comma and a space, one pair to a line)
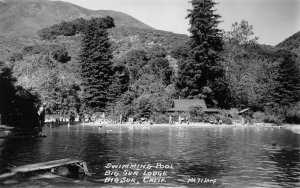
51, 67
291, 43
262, 77
88, 65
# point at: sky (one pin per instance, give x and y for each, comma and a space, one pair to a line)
272, 20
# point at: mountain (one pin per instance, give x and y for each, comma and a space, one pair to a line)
291, 43
23, 18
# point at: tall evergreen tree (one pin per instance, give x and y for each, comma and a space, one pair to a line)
198, 73
119, 85
96, 64
287, 82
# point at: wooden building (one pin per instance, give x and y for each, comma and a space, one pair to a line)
183, 105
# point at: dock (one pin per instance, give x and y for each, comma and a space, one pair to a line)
51, 165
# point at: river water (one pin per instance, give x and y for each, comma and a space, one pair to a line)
189, 156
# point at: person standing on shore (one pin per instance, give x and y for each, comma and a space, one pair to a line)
42, 114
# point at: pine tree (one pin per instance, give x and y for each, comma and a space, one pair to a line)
96, 64
198, 73
287, 82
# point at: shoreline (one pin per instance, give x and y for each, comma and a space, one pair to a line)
295, 128
198, 124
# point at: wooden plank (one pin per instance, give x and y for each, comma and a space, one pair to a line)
24, 136
45, 165
6, 127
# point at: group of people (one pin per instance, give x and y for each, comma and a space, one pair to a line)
180, 119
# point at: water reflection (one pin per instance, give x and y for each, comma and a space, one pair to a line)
235, 156
15, 152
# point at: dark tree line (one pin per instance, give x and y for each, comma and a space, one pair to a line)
18, 107
149, 79
72, 28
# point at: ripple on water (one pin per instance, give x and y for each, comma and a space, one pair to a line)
237, 157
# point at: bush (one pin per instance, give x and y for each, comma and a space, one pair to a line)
259, 116
227, 121
293, 114
273, 119
196, 111
226, 116
196, 119
160, 118
211, 118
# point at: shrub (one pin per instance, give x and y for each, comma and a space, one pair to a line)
227, 121
196, 111
196, 119
293, 114
212, 118
196, 114
273, 119
259, 116
160, 118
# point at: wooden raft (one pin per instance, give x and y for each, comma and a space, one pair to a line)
48, 165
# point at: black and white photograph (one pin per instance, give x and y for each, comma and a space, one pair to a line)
150, 93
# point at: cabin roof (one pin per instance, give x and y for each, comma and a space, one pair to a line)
244, 110
185, 104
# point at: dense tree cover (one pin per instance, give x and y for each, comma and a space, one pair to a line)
261, 77
252, 73
181, 50
64, 86
142, 70
53, 81
124, 75
135, 61
17, 105
149, 75
58, 52
74, 27
64, 28
241, 69
59, 83
47, 70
